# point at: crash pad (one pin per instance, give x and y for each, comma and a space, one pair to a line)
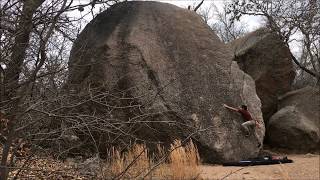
265, 160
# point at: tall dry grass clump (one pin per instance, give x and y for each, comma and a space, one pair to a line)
184, 161
181, 162
132, 164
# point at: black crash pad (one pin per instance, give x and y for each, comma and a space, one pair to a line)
265, 160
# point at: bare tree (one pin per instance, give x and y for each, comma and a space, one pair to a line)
198, 6
35, 35
36, 109
227, 30
289, 19
12, 74
219, 21
194, 7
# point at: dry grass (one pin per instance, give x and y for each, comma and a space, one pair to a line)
182, 163
179, 162
132, 164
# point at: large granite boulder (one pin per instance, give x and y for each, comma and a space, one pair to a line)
263, 56
166, 65
296, 125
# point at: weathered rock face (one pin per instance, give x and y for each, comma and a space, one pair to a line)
168, 65
263, 56
296, 125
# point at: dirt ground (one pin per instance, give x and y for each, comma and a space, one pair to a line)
304, 167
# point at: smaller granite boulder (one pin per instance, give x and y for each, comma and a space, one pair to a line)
263, 56
296, 125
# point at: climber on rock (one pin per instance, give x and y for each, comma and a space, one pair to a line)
249, 121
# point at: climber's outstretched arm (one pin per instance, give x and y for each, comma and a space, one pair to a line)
231, 108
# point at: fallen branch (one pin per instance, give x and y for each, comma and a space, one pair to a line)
232, 173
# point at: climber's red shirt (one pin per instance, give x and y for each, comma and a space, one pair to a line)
245, 114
